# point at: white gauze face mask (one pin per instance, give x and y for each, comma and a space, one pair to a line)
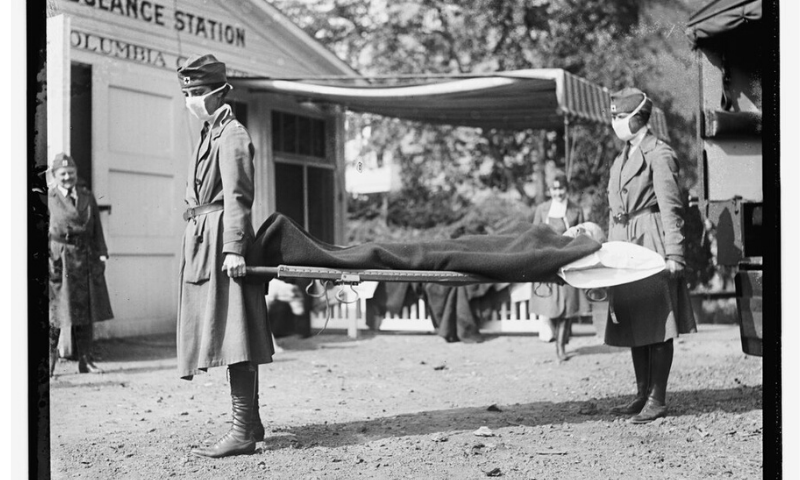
197, 104
622, 126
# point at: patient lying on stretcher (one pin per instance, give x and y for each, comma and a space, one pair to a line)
522, 253
614, 264
590, 229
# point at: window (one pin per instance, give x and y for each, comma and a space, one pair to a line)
304, 176
298, 135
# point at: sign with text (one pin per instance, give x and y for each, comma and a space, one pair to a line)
155, 13
123, 50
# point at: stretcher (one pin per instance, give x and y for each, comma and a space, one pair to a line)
346, 277
616, 263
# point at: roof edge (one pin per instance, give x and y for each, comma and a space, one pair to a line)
287, 24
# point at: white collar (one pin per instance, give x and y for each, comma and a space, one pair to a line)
66, 192
218, 114
558, 209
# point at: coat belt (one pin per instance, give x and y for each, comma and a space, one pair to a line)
624, 218
193, 212
70, 239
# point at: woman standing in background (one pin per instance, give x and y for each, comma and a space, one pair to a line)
557, 304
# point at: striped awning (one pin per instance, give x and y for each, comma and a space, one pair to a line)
514, 100
721, 16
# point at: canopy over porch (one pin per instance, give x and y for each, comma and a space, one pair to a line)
549, 99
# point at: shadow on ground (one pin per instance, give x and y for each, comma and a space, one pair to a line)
328, 339
596, 350
693, 402
163, 346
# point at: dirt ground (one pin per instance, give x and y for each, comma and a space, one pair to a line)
407, 407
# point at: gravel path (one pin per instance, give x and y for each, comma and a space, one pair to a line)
408, 406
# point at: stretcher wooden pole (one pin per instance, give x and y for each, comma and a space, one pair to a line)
354, 277
347, 276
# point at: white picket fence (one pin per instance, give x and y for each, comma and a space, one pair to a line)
512, 317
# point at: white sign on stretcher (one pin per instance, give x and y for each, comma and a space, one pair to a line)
614, 264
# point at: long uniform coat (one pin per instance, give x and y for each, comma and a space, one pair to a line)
655, 309
221, 320
78, 291
552, 300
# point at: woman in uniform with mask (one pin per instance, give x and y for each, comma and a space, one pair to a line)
646, 208
222, 319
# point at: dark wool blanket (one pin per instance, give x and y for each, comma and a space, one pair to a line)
522, 253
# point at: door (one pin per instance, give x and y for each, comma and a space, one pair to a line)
140, 147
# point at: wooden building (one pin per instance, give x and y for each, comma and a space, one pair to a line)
114, 103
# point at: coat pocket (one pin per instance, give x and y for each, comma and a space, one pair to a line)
652, 235
198, 258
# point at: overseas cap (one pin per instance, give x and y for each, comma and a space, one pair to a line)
62, 160
201, 70
627, 99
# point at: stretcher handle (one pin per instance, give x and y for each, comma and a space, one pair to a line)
262, 272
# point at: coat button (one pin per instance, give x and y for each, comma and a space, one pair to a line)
624, 190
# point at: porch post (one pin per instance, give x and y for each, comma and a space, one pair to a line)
567, 152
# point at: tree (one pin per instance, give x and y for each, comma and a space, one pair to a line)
615, 44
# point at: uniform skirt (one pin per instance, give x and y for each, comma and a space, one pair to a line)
652, 310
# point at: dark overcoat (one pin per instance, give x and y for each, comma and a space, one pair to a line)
78, 291
552, 300
221, 320
655, 309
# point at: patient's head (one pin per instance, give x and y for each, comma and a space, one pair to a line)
590, 229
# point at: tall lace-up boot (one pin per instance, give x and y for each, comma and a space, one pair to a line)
258, 427
660, 365
641, 369
239, 440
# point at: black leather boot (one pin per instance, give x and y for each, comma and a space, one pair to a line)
239, 440
660, 365
641, 368
83, 340
258, 427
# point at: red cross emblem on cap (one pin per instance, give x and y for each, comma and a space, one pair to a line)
65, 163
186, 80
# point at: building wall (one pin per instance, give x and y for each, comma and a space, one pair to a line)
142, 136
